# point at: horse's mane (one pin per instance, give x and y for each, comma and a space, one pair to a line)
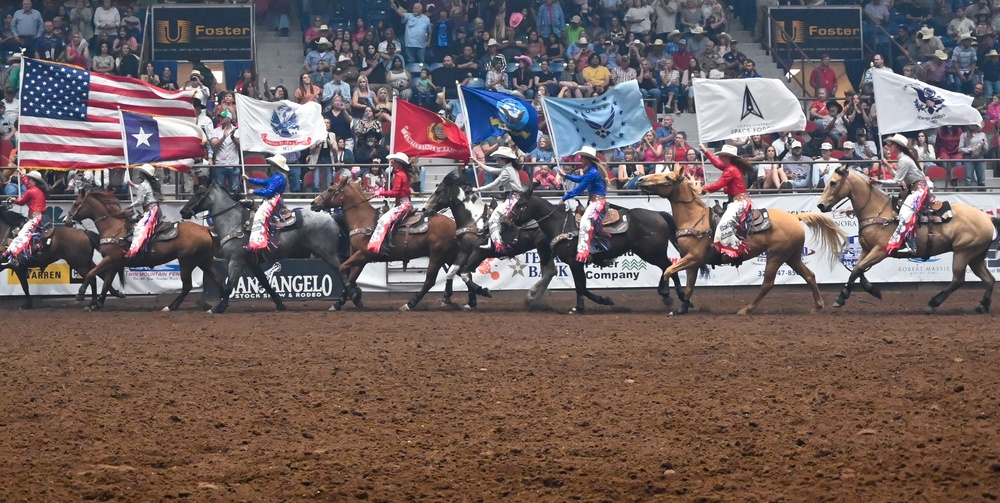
110, 202
687, 183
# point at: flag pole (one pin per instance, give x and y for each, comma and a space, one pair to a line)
20, 85
128, 171
392, 146
468, 131
243, 167
552, 139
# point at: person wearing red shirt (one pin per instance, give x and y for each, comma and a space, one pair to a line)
823, 77
732, 183
34, 198
402, 171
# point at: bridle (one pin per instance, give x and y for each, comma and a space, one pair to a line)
520, 214
340, 189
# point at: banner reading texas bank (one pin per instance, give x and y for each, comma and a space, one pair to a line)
833, 30
205, 32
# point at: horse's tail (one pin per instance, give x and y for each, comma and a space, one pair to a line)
831, 237
672, 226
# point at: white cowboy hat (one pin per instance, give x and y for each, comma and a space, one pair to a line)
939, 54
729, 150
697, 30
492, 41
587, 151
147, 168
582, 41
796, 144
848, 145
898, 139
964, 36
505, 153
399, 156
926, 32
279, 162
826, 146
36, 176
323, 41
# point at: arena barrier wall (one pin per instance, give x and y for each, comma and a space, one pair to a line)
523, 271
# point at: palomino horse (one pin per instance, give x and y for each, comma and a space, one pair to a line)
782, 243
75, 246
438, 243
469, 211
968, 234
193, 247
317, 235
648, 234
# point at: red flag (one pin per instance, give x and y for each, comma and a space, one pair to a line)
418, 132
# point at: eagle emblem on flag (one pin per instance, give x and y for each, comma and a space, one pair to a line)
284, 122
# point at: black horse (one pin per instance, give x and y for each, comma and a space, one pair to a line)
649, 232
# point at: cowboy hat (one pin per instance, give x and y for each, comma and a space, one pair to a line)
826, 146
504, 153
523, 58
926, 32
675, 33
323, 41
324, 28
796, 144
993, 52
515, 19
399, 156
729, 150
697, 30
898, 139
492, 41
195, 72
586, 151
963, 37
36, 176
147, 169
14, 58
278, 161
940, 54
658, 41
575, 19
848, 145
582, 41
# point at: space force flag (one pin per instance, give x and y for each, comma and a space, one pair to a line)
166, 141
915, 105
278, 127
614, 119
490, 113
737, 108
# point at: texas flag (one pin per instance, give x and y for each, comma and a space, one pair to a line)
169, 142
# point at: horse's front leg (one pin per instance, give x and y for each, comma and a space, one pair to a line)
433, 266
102, 267
258, 273
867, 261
22, 277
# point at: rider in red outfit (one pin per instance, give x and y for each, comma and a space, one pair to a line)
733, 183
400, 189
34, 199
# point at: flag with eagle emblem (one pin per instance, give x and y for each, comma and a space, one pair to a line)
614, 119
418, 132
490, 113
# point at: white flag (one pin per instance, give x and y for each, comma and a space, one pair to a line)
905, 104
279, 127
737, 108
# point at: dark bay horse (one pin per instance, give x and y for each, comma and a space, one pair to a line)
469, 210
193, 247
648, 235
968, 235
75, 246
318, 235
438, 244
782, 243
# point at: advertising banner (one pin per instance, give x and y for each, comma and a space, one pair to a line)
817, 30
205, 32
298, 279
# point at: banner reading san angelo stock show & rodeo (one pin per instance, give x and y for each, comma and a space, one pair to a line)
817, 30
205, 32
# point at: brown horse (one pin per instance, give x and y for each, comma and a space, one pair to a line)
193, 247
968, 234
782, 243
438, 244
74, 246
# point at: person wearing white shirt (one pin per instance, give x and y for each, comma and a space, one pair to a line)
107, 19
824, 168
666, 17
11, 104
782, 144
639, 17
973, 146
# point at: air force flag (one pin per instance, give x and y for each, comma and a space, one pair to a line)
491, 113
612, 120
915, 105
162, 140
742, 107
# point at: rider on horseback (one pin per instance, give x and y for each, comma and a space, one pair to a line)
274, 186
34, 198
402, 171
147, 199
507, 180
908, 172
593, 181
733, 183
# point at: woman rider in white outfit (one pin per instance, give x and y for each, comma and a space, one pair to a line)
507, 180
907, 172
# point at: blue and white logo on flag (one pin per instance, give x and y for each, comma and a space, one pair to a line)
615, 119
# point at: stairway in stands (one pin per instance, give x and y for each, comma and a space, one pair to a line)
280, 59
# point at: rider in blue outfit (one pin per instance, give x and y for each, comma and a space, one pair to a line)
274, 187
594, 182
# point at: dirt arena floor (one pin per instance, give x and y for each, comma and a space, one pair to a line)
623, 404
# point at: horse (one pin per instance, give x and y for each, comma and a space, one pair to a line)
74, 246
317, 235
193, 247
469, 211
782, 243
968, 234
648, 234
438, 243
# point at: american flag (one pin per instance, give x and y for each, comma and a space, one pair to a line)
69, 116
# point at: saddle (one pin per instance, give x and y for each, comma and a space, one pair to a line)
288, 220
415, 222
165, 231
613, 221
758, 221
932, 212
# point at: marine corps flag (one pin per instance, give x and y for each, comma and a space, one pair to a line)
743, 107
418, 132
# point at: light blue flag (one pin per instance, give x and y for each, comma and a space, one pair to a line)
613, 120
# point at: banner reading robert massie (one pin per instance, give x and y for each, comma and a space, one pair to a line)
817, 30
206, 32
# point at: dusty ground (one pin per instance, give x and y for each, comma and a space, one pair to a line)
625, 404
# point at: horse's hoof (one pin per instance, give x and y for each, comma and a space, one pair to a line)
575, 311
280, 307
336, 306
119, 294
165, 310
26, 306
606, 301
929, 310
446, 301
981, 309
485, 292
79, 297
743, 312
468, 308
876, 292
358, 303
405, 308
210, 311
839, 302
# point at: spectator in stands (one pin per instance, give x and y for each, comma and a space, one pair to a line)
698, 41
648, 86
399, 78
545, 178
573, 31
336, 87
693, 168
770, 174
389, 47
906, 51
362, 97
824, 77
417, 35
973, 145
822, 171
654, 53
442, 34
936, 69
383, 105
49, 46
670, 80
980, 101
877, 12
680, 145
580, 51
225, 142
424, 89
963, 60
629, 171
818, 112
81, 20
572, 83
107, 19
800, 168
735, 62
753, 149
545, 78
992, 112
694, 71
835, 125
320, 53
623, 72
710, 61
12, 105
691, 16
665, 17
103, 62
149, 75
961, 25
991, 72
128, 63
372, 66
877, 65
749, 70
166, 79
497, 78
639, 17
551, 20
313, 33
523, 79
782, 144
717, 23
124, 38
26, 25
863, 147
78, 52
306, 91
928, 45
370, 150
